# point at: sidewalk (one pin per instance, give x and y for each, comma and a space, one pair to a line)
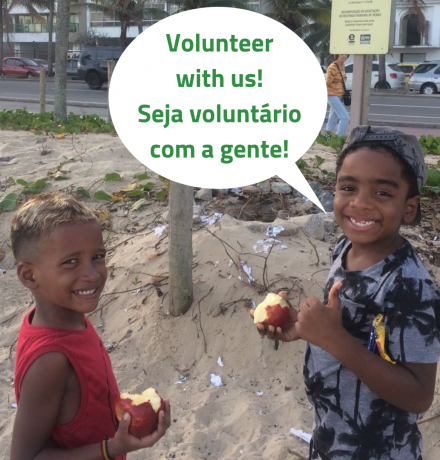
406, 129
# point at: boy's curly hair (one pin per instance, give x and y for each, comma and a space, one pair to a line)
39, 216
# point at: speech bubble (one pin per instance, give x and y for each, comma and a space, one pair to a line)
219, 98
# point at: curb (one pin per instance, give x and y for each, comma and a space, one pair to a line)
390, 93
96, 105
398, 124
48, 79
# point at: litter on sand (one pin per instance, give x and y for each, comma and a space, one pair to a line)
216, 380
159, 230
265, 245
212, 219
301, 434
220, 362
273, 231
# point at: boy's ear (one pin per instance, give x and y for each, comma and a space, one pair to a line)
25, 273
411, 206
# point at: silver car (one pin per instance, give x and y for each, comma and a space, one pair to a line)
426, 78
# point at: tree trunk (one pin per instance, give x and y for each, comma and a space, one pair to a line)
61, 48
180, 248
1, 35
123, 37
50, 42
382, 83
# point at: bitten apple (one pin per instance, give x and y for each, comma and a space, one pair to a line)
144, 410
274, 311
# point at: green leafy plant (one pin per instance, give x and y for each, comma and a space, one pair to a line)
331, 140
40, 123
430, 144
9, 202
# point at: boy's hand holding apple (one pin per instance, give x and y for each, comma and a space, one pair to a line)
142, 422
279, 320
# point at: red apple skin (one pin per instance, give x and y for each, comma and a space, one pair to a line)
144, 419
276, 315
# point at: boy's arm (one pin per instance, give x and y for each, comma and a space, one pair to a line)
41, 395
409, 386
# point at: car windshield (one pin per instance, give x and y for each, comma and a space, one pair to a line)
395, 67
29, 62
423, 68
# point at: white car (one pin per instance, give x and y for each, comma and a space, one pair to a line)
395, 77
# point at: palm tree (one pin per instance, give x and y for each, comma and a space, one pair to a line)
144, 10
415, 10
127, 12
316, 33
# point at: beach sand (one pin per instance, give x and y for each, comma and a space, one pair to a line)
262, 397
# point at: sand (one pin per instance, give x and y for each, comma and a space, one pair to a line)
262, 396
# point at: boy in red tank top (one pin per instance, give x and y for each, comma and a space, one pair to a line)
64, 383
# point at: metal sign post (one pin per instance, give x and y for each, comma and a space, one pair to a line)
361, 28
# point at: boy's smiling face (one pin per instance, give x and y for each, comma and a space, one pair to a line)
371, 199
68, 272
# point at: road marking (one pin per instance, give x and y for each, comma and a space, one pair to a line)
404, 116
403, 106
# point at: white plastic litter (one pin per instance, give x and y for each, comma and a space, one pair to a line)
273, 231
231, 262
159, 230
248, 271
211, 219
259, 393
265, 245
14, 406
236, 190
301, 434
216, 380
220, 362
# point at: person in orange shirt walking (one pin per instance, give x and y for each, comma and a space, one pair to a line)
335, 79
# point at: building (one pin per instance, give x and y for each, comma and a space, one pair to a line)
28, 37
410, 45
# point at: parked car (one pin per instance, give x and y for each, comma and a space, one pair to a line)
407, 68
72, 68
20, 67
42, 63
426, 78
92, 66
394, 76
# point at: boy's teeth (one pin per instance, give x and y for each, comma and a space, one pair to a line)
91, 291
362, 223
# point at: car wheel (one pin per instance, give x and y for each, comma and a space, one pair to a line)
2, 74
29, 75
376, 86
93, 80
428, 89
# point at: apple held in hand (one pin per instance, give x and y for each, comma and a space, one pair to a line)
144, 410
274, 311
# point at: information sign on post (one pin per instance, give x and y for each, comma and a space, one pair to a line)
361, 28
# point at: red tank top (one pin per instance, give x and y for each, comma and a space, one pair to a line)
96, 417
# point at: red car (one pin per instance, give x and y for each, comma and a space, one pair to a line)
20, 67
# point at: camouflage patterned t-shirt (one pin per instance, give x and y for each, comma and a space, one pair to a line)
351, 422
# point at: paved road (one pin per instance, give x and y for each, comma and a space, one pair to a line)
415, 110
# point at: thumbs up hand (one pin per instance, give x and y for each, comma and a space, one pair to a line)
318, 323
